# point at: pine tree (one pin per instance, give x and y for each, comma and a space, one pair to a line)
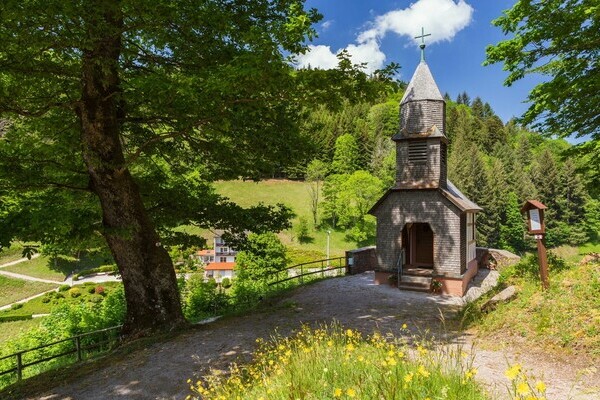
346, 155
493, 202
512, 230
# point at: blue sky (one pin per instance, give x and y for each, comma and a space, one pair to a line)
381, 32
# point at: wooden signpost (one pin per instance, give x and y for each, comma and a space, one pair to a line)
536, 227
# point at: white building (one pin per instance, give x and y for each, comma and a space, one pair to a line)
220, 260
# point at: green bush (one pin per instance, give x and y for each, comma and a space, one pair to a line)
226, 283
64, 288
16, 306
17, 317
74, 292
91, 290
96, 298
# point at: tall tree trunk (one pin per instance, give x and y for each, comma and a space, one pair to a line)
145, 266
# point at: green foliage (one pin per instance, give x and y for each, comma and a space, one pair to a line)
557, 39
348, 198
259, 263
74, 292
592, 218
346, 155
302, 230
562, 319
201, 299
16, 306
226, 283
512, 231
15, 317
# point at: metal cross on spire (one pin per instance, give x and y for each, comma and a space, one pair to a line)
422, 45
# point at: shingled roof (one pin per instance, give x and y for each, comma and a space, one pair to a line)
422, 86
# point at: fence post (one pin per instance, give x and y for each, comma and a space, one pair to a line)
323, 269
301, 274
19, 366
78, 347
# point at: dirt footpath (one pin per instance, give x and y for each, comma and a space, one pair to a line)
161, 370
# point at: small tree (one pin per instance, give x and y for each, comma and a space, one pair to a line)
346, 155
512, 231
316, 171
260, 262
302, 230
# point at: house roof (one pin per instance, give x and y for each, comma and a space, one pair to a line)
422, 86
459, 199
452, 193
209, 252
529, 204
221, 266
432, 132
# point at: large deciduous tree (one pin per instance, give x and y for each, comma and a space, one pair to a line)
559, 39
118, 113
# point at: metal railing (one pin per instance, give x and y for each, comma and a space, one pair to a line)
79, 348
323, 267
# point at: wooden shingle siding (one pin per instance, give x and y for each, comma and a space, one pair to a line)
420, 116
426, 206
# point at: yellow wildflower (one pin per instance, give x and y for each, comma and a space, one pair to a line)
423, 371
404, 326
330, 343
351, 392
349, 333
522, 388
408, 377
392, 362
337, 392
513, 372
540, 386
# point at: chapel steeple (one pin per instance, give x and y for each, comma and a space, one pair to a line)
421, 144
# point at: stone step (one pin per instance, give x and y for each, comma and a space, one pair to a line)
426, 280
414, 271
415, 287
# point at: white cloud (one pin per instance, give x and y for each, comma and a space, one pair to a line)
317, 57
442, 18
327, 24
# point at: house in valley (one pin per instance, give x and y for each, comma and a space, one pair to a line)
220, 260
425, 225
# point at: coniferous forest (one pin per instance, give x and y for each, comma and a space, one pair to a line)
498, 165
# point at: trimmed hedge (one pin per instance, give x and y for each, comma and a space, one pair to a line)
11, 318
103, 268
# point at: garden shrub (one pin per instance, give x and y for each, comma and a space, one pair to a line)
226, 283
74, 292
16, 306
91, 290
64, 288
15, 317
99, 290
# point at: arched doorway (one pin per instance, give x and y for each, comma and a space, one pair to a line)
417, 242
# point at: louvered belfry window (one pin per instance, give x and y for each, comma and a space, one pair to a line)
417, 152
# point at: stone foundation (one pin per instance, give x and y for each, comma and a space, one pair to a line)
458, 286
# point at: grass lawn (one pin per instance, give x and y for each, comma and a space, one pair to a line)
565, 318
294, 195
11, 254
37, 305
575, 254
47, 268
10, 330
12, 290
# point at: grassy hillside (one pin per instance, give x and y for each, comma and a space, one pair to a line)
58, 269
565, 318
12, 290
294, 195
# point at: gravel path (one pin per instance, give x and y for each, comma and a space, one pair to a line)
161, 370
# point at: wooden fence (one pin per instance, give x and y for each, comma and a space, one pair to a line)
325, 267
79, 347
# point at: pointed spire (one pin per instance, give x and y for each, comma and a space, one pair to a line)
422, 86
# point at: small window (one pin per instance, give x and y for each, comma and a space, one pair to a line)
417, 152
223, 259
225, 250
